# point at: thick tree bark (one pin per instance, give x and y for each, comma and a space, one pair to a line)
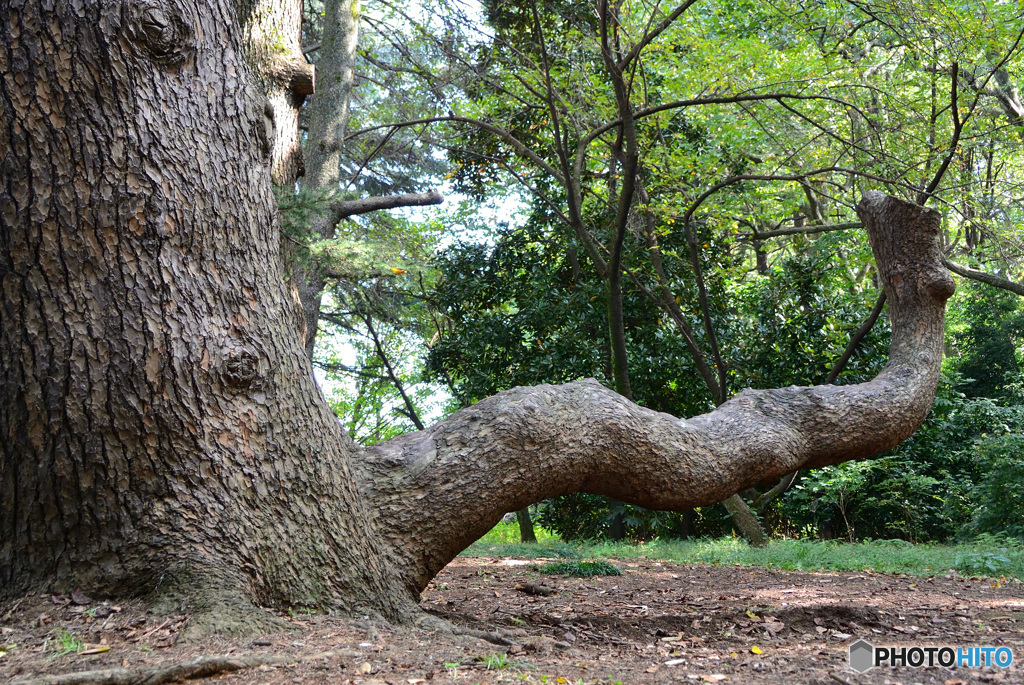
159, 424
160, 430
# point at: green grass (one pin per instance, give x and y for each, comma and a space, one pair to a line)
503, 541
988, 555
63, 643
580, 569
508, 534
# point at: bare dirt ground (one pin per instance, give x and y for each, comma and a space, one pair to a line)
659, 622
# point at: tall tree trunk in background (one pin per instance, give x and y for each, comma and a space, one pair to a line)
328, 119
160, 429
745, 521
526, 533
272, 37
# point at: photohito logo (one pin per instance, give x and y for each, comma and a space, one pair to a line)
865, 656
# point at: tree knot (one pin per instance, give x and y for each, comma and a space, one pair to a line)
159, 30
241, 369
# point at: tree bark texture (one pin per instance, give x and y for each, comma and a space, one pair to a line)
160, 429
158, 419
745, 521
272, 31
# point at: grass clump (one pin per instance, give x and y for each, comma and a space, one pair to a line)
580, 569
62, 642
507, 533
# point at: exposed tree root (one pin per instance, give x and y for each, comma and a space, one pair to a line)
216, 603
495, 638
437, 624
202, 667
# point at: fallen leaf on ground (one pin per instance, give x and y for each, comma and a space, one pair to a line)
95, 650
756, 650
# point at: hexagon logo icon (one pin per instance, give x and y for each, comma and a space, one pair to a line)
861, 656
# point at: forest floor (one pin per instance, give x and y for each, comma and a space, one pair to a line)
658, 622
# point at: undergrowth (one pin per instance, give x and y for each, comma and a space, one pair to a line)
580, 569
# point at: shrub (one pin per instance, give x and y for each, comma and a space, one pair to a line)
580, 569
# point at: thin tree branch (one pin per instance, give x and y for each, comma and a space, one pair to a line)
344, 209
654, 33
410, 409
668, 303
865, 327
762, 501
799, 230
517, 144
983, 277
380, 146
571, 181
341, 368
630, 167
958, 127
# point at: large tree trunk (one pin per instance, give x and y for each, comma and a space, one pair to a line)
159, 421
160, 430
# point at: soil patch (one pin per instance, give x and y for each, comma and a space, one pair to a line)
659, 622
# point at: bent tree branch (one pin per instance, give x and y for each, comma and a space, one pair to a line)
538, 442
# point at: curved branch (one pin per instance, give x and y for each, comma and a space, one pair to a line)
714, 100
542, 441
803, 230
762, 501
